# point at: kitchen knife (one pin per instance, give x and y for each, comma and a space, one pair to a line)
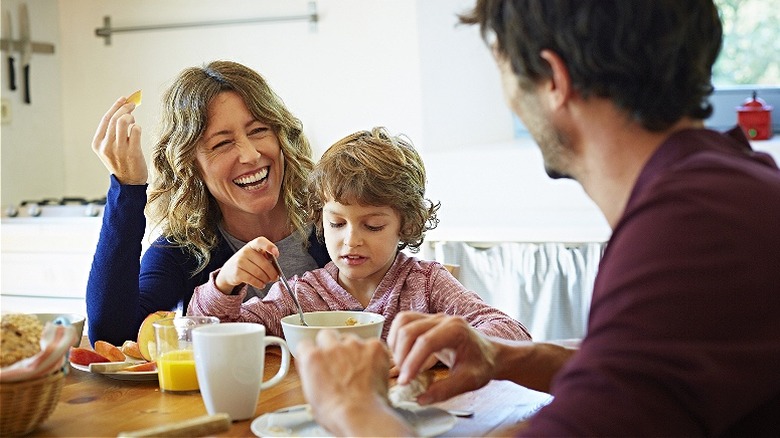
26, 41
108, 367
8, 35
206, 425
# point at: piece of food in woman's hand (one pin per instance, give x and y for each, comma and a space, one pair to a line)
131, 349
109, 351
399, 394
135, 98
85, 356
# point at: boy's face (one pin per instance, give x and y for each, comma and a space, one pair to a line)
362, 241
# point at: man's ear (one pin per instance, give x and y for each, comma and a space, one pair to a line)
559, 87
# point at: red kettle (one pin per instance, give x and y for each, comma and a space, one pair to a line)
754, 116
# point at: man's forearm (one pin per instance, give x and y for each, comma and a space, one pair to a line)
531, 364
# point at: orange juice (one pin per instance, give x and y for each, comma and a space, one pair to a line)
176, 371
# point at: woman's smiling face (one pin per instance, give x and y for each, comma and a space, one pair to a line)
240, 159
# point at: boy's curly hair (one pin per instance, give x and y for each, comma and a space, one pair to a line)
375, 168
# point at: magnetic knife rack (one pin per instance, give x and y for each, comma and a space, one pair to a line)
16, 46
107, 30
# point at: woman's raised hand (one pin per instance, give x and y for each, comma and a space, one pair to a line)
117, 142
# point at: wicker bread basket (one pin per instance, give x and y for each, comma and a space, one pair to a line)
25, 405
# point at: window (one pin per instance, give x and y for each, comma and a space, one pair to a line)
748, 61
751, 43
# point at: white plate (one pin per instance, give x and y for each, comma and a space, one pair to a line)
298, 421
121, 375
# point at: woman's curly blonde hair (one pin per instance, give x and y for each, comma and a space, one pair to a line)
180, 204
375, 168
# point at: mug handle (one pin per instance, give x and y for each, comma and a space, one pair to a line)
285, 365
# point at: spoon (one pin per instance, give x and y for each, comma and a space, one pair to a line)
283, 280
463, 413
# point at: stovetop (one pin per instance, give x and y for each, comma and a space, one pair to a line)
56, 207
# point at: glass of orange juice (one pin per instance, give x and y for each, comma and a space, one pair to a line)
173, 352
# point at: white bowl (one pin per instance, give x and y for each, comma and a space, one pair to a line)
368, 325
76, 320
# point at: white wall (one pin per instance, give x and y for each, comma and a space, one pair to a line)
462, 101
404, 64
500, 192
336, 78
398, 63
32, 149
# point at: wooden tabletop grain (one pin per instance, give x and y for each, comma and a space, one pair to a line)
96, 405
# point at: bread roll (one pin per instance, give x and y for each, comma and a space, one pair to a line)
21, 338
400, 394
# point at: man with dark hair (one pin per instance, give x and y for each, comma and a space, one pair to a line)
682, 335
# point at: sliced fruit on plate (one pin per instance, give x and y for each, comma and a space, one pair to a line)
109, 351
131, 349
145, 366
85, 356
146, 332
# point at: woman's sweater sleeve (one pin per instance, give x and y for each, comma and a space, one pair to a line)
208, 300
124, 288
112, 289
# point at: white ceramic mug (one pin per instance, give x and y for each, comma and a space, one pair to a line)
229, 360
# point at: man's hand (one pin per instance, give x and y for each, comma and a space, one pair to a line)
415, 337
345, 381
473, 358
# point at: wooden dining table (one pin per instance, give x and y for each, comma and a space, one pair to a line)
98, 405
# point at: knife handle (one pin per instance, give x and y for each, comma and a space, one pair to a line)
200, 426
11, 73
27, 83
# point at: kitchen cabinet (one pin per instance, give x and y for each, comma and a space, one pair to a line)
45, 263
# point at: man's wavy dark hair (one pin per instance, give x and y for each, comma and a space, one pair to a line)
651, 58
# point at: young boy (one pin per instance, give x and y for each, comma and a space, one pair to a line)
367, 200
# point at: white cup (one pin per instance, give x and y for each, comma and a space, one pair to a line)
229, 361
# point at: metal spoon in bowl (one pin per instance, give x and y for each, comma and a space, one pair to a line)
283, 280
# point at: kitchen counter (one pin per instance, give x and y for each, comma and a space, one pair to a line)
45, 263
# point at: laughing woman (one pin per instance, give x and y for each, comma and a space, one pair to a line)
230, 172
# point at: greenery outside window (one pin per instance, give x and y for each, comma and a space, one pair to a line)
748, 61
